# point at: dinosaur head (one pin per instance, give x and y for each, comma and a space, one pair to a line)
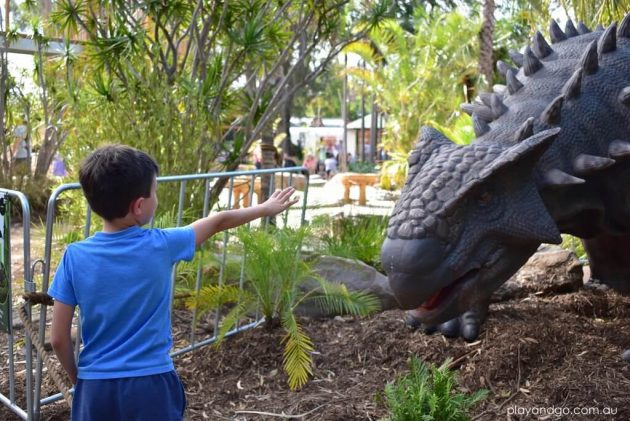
467, 219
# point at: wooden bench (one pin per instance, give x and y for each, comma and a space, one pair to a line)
242, 185
349, 179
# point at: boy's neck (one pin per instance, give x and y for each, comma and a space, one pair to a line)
119, 224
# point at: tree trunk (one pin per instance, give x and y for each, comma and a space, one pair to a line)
486, 62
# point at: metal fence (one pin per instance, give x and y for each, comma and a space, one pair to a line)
239, 191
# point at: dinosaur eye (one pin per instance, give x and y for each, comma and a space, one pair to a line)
484, 199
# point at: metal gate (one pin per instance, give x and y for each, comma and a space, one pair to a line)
240, 189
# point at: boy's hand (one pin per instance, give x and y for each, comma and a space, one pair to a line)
279, 201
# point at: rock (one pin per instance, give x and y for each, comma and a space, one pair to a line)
626, 355
550, 270
355, 275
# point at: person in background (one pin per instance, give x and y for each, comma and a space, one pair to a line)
310, 163
330, 165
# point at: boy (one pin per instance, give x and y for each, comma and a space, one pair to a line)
121, 280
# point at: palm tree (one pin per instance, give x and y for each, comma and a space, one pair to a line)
486, 61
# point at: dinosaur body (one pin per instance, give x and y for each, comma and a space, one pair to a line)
552, 156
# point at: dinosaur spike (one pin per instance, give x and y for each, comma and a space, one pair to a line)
619, 149
516, 57
531, 64
558, 178
582, 29
624, 27
570, 30
585, 164
480, 126
486, 98
624, 96
599, 27
589, 61
498, 107
526, 130
556, 33
573, 86
499, 89
551, 114
503, 67
540, 47
513, 83
481, 111
608, 41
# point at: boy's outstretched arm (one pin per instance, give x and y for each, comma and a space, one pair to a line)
205, 228
61, 339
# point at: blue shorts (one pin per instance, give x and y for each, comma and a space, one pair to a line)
159, 397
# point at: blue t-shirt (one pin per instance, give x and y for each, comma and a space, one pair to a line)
122, 282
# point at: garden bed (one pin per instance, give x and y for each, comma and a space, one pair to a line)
559, 351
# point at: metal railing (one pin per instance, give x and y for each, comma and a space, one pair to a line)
252, 180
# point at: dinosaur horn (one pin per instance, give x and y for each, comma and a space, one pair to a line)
585, 164
553, 112
624, 27
531, 64
624, 96
608, 41
570, 30
513, 83
589, 61
480, 126
526, 130
481, 111
619, 149
499, 89
556, 178
486, 98
540, 46
503, 67
599, 27
573, 86
516, 57
498, 107
556, 33
582, 29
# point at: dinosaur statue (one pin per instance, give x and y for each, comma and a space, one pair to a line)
552, 155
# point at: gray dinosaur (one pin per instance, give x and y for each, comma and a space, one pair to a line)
552, 155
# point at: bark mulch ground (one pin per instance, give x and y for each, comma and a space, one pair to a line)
558, 352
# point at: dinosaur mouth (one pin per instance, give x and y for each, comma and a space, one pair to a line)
445, 294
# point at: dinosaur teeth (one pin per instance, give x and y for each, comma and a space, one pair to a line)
526, 130
513, 84
582, 29
540, 47
551, 114
570, 30
624, 27
480, 126
619, 149
557, 178
498, 107
503, 67
589, 61
608, 41
481, 111
556, 33
585, 164
531, 64
624, 96
573, 86
516, 57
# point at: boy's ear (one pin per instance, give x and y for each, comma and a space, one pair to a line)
135, 206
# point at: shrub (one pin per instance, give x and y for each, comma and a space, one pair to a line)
426, 394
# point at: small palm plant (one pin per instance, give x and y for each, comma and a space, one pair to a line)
276, 283
426, 393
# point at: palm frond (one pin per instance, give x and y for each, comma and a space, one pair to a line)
337, 299
297, 361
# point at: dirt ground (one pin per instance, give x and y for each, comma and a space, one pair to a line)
559, 352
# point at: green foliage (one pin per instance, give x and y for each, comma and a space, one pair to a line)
362, 167
276, 283
574, 244
428, 394
358, 237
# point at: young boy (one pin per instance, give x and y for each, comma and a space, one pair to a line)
121, 280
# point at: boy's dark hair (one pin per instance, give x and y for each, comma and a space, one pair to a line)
114, 176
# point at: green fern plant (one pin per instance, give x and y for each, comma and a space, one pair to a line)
275, 285
427, 393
